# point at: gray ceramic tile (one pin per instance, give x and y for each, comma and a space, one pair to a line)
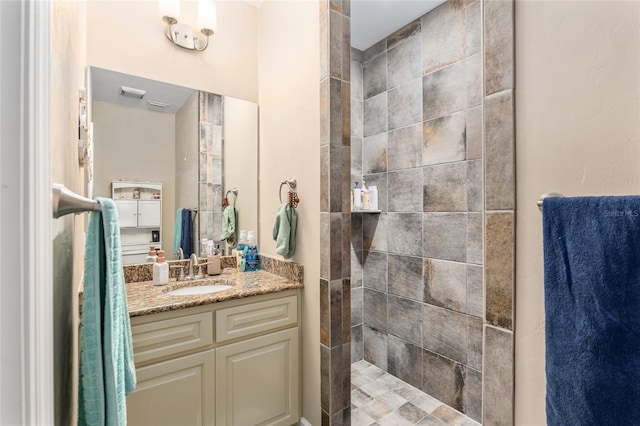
430, 420
404, 33
325, 382
473, 65
375, 347
357, 345
360, 417
335, 313
405, 104
475, 197
473, 394
404, 233
335, 112
474, 238
374, 231
475, 296
374, 154
445, 236
356, 306
346, 43
357, 55
345, 115
375, 270
375, 408
411, 412
444, 139
356, 118
375, 76
405, 147
335, 246
337, 397
392, 399
335, 41
499, 269
346, 311
445, 187
356, 81
340, 173
426, 402
325, 313
474, 343
405, 319
405, 190
403, 62
356, 160
356, 231
499, 45
445, 332
473, 28
405, 276
375, 115
448, 415
324, 112
498, 366
499, 152
442, 37
444, 91
474, 133
375, 50
375, 309
445, 284
443, 379
379, 180
356, 267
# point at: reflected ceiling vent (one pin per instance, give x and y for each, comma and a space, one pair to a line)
131, 92
157, 104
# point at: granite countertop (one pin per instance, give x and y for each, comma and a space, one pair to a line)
144, 298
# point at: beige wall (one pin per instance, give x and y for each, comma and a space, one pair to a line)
187, 156
67, 76
128, 36
290, 147
137, 145
578, 133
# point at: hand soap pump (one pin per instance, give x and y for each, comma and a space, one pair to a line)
250, 257
160, 270
151, 255
213, 260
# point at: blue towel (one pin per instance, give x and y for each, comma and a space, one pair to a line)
186, 240
107, 372
177, 231
592, 310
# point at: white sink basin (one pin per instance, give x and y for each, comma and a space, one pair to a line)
199, 289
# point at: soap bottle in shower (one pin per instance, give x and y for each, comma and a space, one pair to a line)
357, 197
366, 197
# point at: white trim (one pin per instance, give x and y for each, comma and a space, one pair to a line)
26, 347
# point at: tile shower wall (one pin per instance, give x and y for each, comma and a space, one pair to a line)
210, 164
417, 289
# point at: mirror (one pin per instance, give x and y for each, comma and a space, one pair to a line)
158, 147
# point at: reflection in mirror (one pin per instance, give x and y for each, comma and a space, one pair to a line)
167, 155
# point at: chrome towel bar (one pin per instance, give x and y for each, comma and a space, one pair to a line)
545, 195
65, 201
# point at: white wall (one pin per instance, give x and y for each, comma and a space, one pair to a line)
290, 147
128, 36
578, 133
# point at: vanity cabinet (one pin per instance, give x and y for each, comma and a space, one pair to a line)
228, 363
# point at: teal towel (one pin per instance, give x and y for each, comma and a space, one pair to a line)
177, 231
230, 226
284, 231
107, 372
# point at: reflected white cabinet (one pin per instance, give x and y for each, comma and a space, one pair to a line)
149, 214
228, 363
127, 213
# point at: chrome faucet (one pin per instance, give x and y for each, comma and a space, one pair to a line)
193, 262
179, 253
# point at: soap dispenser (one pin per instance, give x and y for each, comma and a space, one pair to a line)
151, 255
213, 260
160, 270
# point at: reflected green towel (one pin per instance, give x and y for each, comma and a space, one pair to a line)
177, 231
107, 372
284, 231
230, 226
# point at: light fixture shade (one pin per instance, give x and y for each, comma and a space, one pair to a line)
207, 17
169, 9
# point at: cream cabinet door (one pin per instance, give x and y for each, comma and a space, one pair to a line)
175, 392
148, 213
257, 381
127, 213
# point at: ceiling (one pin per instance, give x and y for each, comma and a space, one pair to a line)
373, 20
105, 87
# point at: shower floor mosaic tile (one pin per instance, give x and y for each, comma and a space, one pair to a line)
378, 398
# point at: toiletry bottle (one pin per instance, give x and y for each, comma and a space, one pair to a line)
151, 255
373, 195
250, 257
366, 197
160, 270
213, 260
357, 197
242, 242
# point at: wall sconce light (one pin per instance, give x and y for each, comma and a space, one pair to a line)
183, 35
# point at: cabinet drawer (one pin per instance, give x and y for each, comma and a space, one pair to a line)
160, 339
254, 318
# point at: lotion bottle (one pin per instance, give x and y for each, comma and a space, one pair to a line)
160, 270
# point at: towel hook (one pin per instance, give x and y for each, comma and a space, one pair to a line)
292, 185
225, 200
